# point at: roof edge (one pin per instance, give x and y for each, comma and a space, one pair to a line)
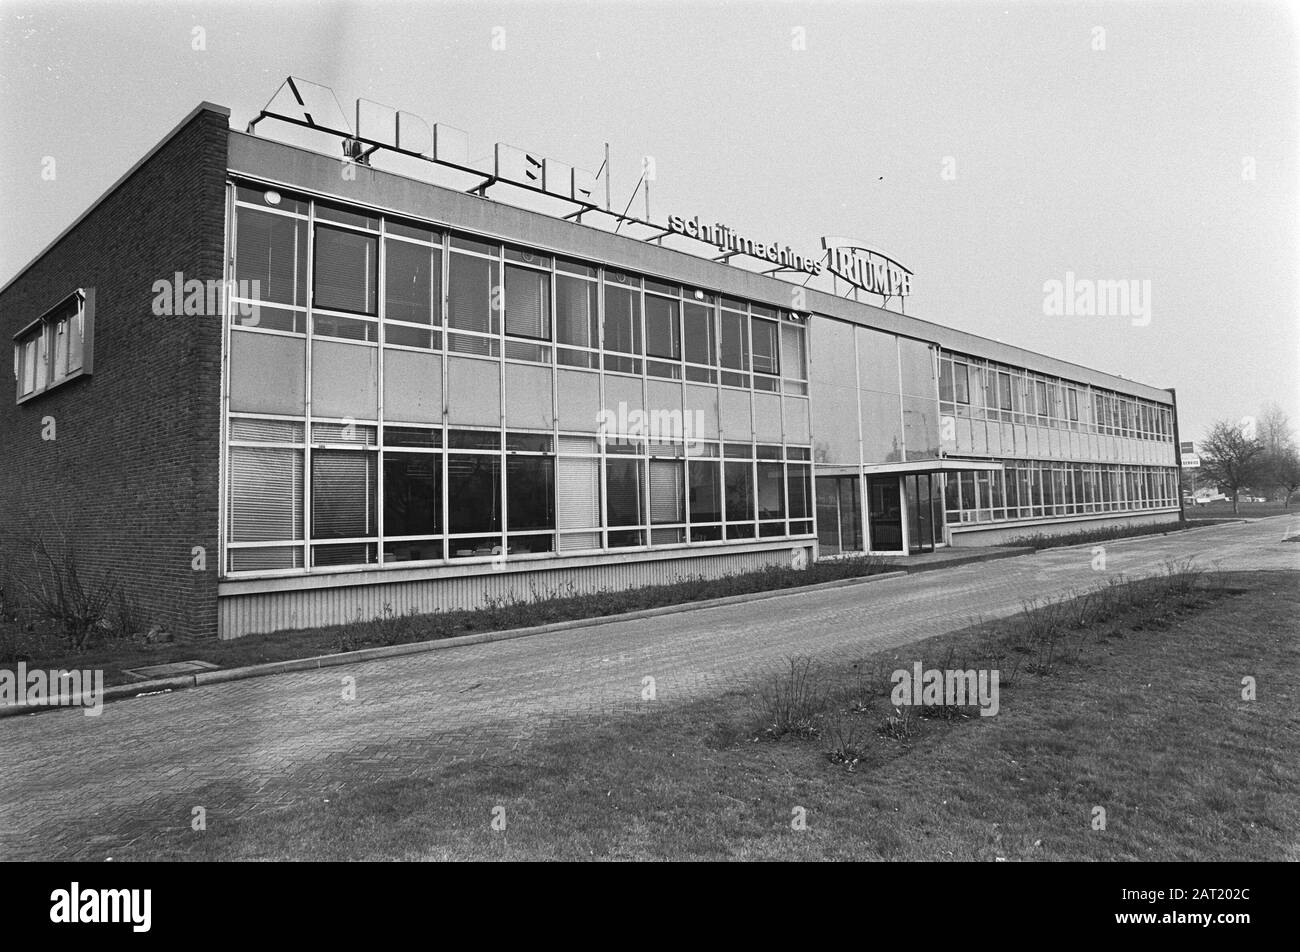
204, 106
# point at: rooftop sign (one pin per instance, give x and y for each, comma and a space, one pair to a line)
730, 242
868, 270
313, 106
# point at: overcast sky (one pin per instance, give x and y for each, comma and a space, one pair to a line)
1127, 141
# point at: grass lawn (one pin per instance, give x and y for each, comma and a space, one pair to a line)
1139, 711
1222, 509
39, 646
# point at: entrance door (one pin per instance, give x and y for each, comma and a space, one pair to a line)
920, 513
884, 514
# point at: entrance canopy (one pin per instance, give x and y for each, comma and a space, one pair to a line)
945, 465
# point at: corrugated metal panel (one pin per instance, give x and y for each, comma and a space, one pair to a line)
310, 608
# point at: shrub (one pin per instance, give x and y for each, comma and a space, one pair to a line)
792, 702
846, 741
59, 594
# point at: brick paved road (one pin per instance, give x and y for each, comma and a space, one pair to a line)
85, 787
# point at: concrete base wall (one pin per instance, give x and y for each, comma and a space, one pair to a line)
293, 603
1002, 534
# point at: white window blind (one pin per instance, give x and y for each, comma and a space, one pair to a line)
667, 503
346, 270
528, 303
265, 493
342, 495
578, 490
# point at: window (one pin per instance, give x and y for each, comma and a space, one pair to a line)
342, 494
412, 494
739, 490
578, 495
412, 283
766, 352
624, 483
771, 491
530, 492
577, 320
799, 489
270, 258
57, 348
662, 328
705, 499
701, 342
473, 302
667, 501
622, 321
735, 348
1004, 390
346, 270
265, 494
530, 502
528, 303
794, 360
474, 493
343, 506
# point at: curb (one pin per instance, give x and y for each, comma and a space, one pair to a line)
1011, 552
219, 676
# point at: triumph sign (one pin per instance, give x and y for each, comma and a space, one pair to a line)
865, 269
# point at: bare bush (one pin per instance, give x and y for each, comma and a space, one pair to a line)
793, 701
59, 594
846, 741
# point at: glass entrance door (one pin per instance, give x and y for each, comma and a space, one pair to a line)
884, 514
924, 494
920, 530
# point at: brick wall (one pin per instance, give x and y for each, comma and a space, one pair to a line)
131, 479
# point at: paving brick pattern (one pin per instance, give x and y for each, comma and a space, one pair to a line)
87, 787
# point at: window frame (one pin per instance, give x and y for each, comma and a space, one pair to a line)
42, 332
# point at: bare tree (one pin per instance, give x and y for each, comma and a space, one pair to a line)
1284, 473
1274, 429
1281, 457
1231, 458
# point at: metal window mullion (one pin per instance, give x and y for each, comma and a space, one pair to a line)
310, 331
381, 314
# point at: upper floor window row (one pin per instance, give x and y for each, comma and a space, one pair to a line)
1012, 394
57, 347
492, 297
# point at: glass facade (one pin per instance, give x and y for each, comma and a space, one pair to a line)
400, 393
1042, 489
1067, 448
405, 394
